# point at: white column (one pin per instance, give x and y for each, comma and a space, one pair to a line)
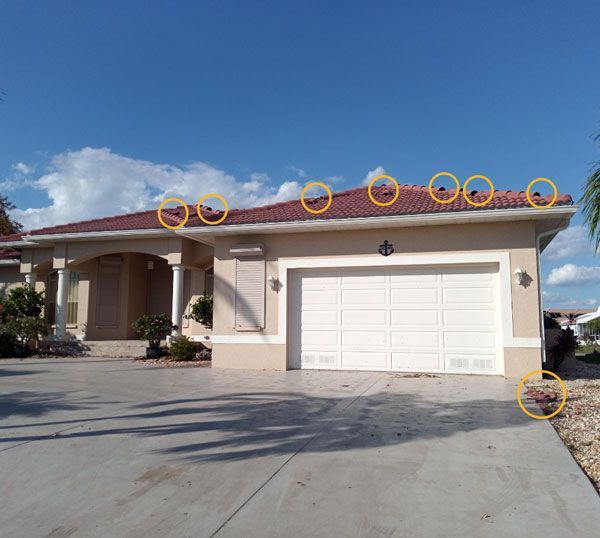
177, 304
30, 279
61, 303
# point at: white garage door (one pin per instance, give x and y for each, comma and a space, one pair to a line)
407, 319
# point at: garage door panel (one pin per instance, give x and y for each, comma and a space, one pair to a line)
319, 317
401, 276
407, 296
470, 275
324, 338
466, 295
366, 297
364, 338
319, 297
366, 360
364, 317
416, 361
415, 317
319, 280
363, 279
462, 339
468, 318
415, 339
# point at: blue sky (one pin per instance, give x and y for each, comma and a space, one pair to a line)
108, 107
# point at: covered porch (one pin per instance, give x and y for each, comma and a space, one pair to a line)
95, 291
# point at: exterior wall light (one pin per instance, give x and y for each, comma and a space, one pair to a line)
519, 275
274, 283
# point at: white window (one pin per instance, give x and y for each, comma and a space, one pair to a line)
72, 297
249, 294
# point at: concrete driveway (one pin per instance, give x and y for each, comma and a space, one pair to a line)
103, 447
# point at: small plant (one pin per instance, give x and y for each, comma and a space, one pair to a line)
153, 328
202, 311
566, 343
183, 349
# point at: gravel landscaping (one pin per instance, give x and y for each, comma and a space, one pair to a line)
578, 424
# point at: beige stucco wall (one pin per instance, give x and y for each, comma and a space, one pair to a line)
10, 277
251, 357
516, 238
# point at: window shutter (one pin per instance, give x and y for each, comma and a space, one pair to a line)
249, 294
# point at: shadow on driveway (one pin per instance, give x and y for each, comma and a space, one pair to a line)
244, 425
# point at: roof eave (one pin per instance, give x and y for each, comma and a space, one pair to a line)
496, 215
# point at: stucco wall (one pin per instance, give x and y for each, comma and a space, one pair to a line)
10, 277
516, 238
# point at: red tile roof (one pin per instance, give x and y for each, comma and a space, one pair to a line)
9, 254
353, 203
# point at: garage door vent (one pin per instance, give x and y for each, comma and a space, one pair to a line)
459, 364
483, 364
319, 359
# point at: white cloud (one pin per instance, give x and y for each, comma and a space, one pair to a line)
573, 241
553, 299
22, 168
378, 171
298, 171
574, 275
95, 182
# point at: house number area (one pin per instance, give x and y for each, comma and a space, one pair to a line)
180, 218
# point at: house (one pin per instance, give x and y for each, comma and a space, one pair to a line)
565, 314
411, 285
581, 328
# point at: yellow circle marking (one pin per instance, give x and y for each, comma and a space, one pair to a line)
370, 192
560, 407
212, 222
439, 200
185, 207
317, 184
487, 200
541, 180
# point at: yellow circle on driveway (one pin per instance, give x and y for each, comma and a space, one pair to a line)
560, 407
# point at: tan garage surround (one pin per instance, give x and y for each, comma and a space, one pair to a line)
439, 245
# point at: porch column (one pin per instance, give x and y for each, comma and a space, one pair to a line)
177, 304
61, 303
30, 279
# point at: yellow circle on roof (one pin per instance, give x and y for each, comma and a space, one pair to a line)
316, 184
439, 200
370, 193
487, 200
185, 207
212, 222
541, 180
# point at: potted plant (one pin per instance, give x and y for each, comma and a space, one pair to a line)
153, 328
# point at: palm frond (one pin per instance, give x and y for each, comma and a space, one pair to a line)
591, 204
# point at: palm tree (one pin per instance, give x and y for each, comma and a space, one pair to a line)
591, 202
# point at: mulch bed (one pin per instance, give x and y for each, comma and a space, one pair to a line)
169, 362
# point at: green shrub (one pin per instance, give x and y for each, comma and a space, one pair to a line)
26, 329
550, 323
153, 328
183, 349
566, 343
202, 311
7, 342
23, 302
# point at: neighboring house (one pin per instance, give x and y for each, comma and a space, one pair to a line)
10, 270
460, 293
567, 314
582, 329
